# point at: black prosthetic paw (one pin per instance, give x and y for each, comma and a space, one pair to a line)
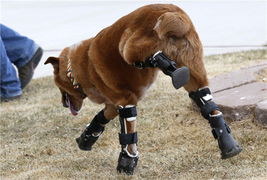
92, 132
179, 76
227, 144
126, 164
220, 130
86, 140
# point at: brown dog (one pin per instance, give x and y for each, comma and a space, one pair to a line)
104, 69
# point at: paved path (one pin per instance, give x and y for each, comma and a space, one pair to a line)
240, 95
56, 24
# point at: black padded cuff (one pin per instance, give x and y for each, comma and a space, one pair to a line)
128, 112
95, 126
167, 65
218, 126
130, 138
207, 108
217, 121
101, 118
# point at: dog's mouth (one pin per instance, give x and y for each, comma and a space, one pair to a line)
69, 105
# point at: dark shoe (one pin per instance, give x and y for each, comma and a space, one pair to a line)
26, 71
221, 131
9, 98
229, 147
85, 142
126, 163
90, 135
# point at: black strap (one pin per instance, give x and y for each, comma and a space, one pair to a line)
160, 60
130, 138
144, 64
197, 96
128, 112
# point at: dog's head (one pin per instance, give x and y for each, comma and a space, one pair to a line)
71, 98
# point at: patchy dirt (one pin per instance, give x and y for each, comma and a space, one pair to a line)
175, 142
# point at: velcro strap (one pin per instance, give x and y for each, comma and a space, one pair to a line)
128, 112
101, 118
207, 108
130, 138
203, 92
198, 95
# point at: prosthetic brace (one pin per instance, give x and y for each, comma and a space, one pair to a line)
127, 162
180, 76
92, 132
220, 130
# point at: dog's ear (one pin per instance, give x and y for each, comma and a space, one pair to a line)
55, 62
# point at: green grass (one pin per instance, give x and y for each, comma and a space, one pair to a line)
175, 142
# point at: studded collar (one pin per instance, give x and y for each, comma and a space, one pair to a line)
75, 84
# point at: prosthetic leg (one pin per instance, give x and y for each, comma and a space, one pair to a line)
180, 76
92, 132
128, 138
220, 130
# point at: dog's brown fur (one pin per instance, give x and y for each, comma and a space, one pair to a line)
103, 65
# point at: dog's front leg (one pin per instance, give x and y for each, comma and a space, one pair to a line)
97, 126
202, 96
128, 138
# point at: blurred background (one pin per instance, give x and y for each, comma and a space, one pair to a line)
223, 26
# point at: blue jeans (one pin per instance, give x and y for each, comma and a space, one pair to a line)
15, 51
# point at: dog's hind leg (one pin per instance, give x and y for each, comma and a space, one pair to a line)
128, 138
97, 126
201, 95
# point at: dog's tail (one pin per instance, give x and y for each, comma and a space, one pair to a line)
175, 24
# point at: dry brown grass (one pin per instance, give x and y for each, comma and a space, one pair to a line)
38, 136
262, 76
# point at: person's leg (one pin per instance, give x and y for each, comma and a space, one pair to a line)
9, 82
23, 52
20, 49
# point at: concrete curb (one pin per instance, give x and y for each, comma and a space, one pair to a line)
239, 95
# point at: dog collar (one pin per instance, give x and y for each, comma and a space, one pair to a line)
70, 76
75, 84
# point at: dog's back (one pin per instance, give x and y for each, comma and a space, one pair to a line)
104, 69
133, 38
